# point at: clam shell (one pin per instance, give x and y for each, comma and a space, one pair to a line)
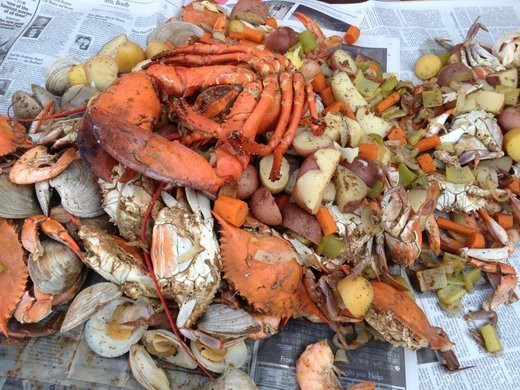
153, 339
56, 270
221, 319
145, 370
178, 33
100, 341
43, 96
236, 357
78, 190
17, 201
77, 96
87, 302
43, 194
232, 378
25, 106
57, 75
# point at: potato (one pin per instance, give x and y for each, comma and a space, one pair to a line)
305, 143
155, 47
251, 11
512, 143
341, 60
330, 193
309, 69
266, 163
416, 197
357, 294
281, 39
77, 75
337, 127
109, 48
509, 118
264, 207
288, 189
101, 70
507, 78
344, 91
490, 101
128, 55
367, 171
427, 66
454, 72
371, 123
301, 222
248, 182
350, 189
313, 178
355, 132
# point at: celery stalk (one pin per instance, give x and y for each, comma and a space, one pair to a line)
470, 278
456, 280
431, 279
329, 246
389, 84
451, 294
376, 189
432, 98
416, 136
459, 175
458, 263
406, 176
366, 87
491, 339
308, 41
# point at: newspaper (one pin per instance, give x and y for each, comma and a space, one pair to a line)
35, 32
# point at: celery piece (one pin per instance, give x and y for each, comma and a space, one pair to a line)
389, 84
450, 294
295, 46
402, 91
3, 267
366, 87
390, 110
329, 246
395, 115
448, 268
444, 56
458, 263
431, 279
459, 175
491, 339
375, 94
414, 152
452, 309
376, 189
470, 278
376, 137
308, 41
404, 84
420, 182
406, 176
447, 147
368, 273
376, 100
510, 94
505, 163
416, 136
455, 279
432, 98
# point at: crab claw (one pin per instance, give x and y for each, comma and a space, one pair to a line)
13, 273
310, 24
263, 268
11, 137
400, 321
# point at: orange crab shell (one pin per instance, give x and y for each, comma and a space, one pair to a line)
263, 269
14, 277
389, 299
11, 136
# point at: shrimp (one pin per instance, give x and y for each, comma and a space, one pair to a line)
315, 368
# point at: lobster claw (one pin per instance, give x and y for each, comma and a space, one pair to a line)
151, 154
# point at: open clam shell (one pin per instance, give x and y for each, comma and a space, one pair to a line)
165, 345
87, 302
145, 371
234, 356
43, 194
78, 190
77, 96
17, 201
178, 33
57, 75
232, 378
105, 336
56, 270
43, 96
219, 319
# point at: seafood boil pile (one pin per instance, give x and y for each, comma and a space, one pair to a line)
236, 174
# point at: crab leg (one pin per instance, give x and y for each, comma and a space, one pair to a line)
310, 24
218, 106
316, 128
496, 231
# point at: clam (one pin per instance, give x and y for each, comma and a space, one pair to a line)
57, 75
78, 190
77, 96
165, 345
218, 360
145, 370
232, 378
87, 302
106, 335
43, 194
17, 201
56, 270
43, 96
25, 106
222, 320
178, 33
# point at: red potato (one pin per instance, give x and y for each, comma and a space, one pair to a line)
264, 207
509, 118
252, 11
248, 182
341, 60
305, 143
281, 39
368, 171
301, 222
266, 164
309, 69
454, 72
350, 189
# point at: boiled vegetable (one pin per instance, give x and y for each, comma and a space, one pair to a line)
251, 11
432, 98
155, 47
376, 189
509, 118
308, 41
329, 246
341, 60
416, 136
491, 339
459, 175
127, 55
309, 69
392, 99
350, 189
306, 143
231, 210
458, 263
357, 294
324, 218
264, 207
344, 91
454, 72
427, 66
406, 176
457, 280
368, 171
248, 182
450, 294
301, 222
490, 101
77, 75
431, 279
470, 278
512, 143
281, 39
101, 70
266, 164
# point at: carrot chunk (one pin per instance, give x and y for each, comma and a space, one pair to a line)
426, 163
232, 210
397, 134
319, 83
505, 220
327, 224
368, 151
447, 224
327, 96
389, 101
352, 35
427, 143
475, 240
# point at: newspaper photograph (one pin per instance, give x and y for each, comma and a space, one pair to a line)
33, 33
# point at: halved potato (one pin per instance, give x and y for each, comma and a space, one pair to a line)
110, 48
266, 163
357, 294
345, 91
305, 143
